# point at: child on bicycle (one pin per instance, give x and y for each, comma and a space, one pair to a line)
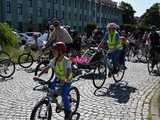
63, 71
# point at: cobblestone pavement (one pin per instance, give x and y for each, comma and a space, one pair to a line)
126, 101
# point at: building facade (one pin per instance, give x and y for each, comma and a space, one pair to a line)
32, 15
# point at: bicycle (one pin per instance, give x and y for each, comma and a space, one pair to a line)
49, 99
7, 68
102, 70
26, 59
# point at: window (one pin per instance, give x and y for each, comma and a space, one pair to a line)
19, 9
30, 18
20, 26
30, 3
49, 12
56, 13
69, 2
8, 6
62, 2
75, 16
80, 17
63, 15
39, 12
75, 4
56, 1
40, 27
69, 15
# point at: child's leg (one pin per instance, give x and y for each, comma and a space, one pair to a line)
64, 93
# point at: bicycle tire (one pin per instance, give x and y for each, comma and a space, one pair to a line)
7, 63
100, 74
121, 77
73, 100
39, 68
39, 105
29, 60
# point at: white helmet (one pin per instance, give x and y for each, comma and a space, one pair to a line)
112, 25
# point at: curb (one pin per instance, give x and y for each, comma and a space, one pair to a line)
154, 105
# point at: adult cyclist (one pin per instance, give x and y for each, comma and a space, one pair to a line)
58, 34
112, 41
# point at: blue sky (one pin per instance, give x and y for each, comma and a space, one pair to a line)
140, 6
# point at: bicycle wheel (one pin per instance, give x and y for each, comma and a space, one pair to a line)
42, 111
7, 68
99, 75
119, 75
46, 76
4, 55
25, 60
74, 97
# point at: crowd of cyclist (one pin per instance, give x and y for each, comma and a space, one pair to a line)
63, 40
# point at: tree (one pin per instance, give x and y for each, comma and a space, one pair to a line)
128, 13
89, 28
7, 38
152, 16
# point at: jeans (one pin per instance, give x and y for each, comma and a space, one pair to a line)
114, 56
64, 93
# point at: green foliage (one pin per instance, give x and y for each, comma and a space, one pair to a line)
132, 28
128, 13
128, 27
152, 16
7, 38
90, 27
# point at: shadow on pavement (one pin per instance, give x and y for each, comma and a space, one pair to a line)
30, 70
5, 79
120, 91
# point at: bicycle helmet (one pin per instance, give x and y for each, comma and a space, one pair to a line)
112, 25
59, 46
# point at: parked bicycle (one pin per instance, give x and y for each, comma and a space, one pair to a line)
7, 68
4, 55
26, 59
